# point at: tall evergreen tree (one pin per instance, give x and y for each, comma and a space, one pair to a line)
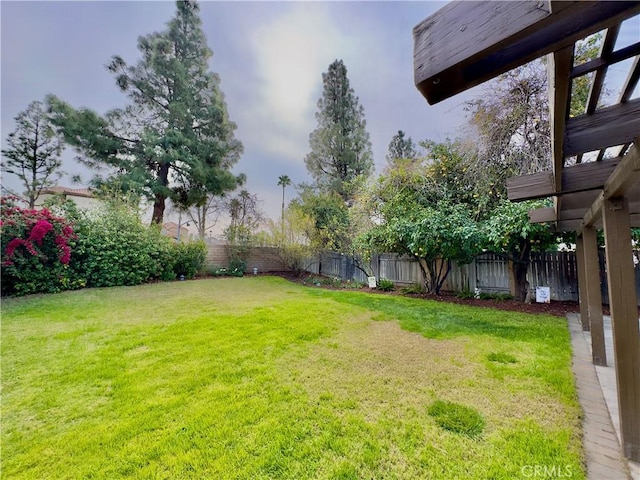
175, 138
401, 147
34, 152
340, 146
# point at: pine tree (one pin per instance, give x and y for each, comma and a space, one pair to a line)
175, 138
401, 147
34, 152
340, 147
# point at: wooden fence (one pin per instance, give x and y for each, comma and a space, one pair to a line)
488, 272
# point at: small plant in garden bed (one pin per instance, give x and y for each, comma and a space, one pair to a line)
500, 297
465, 294
218, 272
457, 418
385, 285
331, 281
355, 285
412, 289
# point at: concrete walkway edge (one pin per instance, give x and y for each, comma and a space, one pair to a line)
603, 455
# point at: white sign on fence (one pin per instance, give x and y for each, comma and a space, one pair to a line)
372, 282
543, 294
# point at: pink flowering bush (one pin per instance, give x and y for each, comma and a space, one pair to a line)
36, 250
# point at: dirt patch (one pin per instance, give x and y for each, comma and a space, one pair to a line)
383, 373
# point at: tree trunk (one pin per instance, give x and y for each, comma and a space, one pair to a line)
158, 209
425, 274
520, 268
160, 199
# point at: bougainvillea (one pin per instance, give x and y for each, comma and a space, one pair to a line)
35, 249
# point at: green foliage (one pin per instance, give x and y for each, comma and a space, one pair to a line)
189, 258
36, 250
327, 226
245, 218
457, 418
501, 357
385, 285
500, 297
509, 231
34, 151
401, 148
174, 140
114, 248
340, 146
436, 236
237, 267
413, 289
465, 294
331, 282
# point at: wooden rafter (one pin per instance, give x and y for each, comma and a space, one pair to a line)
606, 59
604, 128
577, 178
622, 180
595, 89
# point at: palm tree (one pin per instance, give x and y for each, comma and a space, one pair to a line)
283, 180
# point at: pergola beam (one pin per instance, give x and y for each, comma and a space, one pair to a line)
606, 127
622, 180
577, 178
595, 89
467, 43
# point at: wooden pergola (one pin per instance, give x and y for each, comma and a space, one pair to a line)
595, 176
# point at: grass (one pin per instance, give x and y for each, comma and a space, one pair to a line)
457, 418
257, 378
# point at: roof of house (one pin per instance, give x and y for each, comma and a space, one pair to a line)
74, 192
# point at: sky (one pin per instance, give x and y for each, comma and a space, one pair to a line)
270, 57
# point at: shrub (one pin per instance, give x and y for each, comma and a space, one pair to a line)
36, 250
237, 267
114, 248
189, 258
457, 418
385, 285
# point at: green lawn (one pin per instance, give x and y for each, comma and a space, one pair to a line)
258, 378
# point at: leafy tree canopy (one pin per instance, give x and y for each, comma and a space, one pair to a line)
401, 147
34, 152
175, 138
340, 146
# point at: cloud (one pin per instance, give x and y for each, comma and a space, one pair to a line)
291, 51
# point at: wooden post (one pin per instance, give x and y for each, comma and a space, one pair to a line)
624, 320
594, 295
582, 284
